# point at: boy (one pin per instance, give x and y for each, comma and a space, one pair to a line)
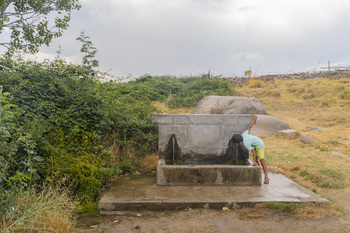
256, 146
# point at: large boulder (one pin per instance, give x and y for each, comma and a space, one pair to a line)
267, 125
229, 105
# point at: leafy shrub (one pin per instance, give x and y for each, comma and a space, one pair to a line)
177, 92
60, 122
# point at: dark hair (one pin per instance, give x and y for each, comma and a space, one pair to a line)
237, 138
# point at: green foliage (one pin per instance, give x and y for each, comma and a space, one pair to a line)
176, 92
60, 122
29, 24
89, 60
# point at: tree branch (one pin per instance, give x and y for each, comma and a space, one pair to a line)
5, 7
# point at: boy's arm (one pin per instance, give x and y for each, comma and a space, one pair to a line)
252, 123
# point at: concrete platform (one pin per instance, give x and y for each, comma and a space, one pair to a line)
140, 193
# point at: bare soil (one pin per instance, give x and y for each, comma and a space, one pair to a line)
244, 219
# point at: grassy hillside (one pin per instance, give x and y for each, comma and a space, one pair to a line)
301, 105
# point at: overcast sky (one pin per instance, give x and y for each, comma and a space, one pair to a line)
227, 37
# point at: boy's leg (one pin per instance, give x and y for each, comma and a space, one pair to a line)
261, 156
264, 166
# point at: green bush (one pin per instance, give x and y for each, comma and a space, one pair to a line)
180, 92
58, 121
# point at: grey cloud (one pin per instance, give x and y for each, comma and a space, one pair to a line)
183, 37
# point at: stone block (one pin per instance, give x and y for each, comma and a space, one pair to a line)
289, 133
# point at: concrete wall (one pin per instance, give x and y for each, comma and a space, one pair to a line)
207, 174
199, 135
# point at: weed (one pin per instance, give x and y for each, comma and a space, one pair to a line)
49, 211
334, 142
320, 148
149, 163
304, 173
296, 168
283, 207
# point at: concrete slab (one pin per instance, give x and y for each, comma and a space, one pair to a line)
141, 193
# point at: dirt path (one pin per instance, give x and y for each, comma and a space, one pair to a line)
258, 218
216, 221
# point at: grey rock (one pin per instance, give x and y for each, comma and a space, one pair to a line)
336, 153
307, 140
267, 125
229, 105
314, 128
289, 133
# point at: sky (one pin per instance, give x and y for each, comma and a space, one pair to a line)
191, 37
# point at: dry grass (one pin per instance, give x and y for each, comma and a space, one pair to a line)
302, 104
166, 110
149, 163
48, 211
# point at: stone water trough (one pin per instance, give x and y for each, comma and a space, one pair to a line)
196, 149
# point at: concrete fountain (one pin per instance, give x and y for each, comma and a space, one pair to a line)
196, 149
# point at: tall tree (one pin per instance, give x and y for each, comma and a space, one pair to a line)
33, 23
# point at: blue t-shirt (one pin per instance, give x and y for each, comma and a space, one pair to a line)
250, 141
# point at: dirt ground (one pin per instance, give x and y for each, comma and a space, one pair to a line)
257, 218
215, 221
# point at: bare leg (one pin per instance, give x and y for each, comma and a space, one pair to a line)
264, 166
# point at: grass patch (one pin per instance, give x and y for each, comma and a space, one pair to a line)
283, 207
48, 211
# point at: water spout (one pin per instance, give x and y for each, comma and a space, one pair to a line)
173, 151
236, 145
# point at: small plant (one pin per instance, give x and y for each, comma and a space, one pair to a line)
304, 173
296, 168
283, 207
320, 148
334, 142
